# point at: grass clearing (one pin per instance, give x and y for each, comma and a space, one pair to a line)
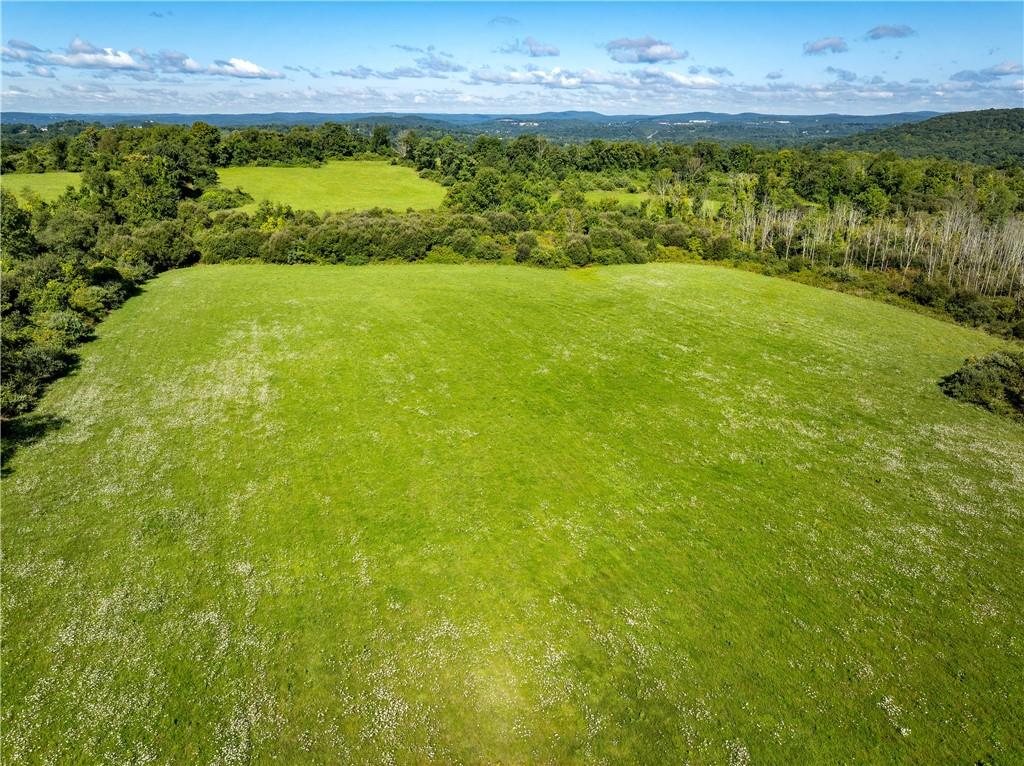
623, 197
636, 514
354, 185
47, 186
710, 207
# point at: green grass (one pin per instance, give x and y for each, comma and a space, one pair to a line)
633, 199
641, 514
356, 185
47, 186
623, 197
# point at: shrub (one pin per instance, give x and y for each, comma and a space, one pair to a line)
672, 234
443, 254
970, 308
162, 245
219, 198
68, 325
502, 222
234, 245
928, 293
995, 382
721, 248
286, 246
550, 258
577, 249
526, 243
464, 242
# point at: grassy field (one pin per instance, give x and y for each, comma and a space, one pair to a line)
48, 186
623, 197
353, 185
412, 514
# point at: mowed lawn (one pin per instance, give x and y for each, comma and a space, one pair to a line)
460, 514
355, 185
47, 186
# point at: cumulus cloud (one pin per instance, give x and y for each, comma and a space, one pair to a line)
506, 21
825, 45
175, 61
776, 75
642, 50
530, 47
236, 67
136, 63
21, 51
883, 31
41, 71
841, 74
988, 74
83, 55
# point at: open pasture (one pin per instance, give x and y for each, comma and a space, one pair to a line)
46, 186
461, 514
349, 185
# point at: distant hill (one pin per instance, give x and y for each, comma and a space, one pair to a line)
761, 129
990, 137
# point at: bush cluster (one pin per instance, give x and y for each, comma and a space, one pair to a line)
995, 382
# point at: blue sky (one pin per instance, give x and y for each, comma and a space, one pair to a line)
617, 58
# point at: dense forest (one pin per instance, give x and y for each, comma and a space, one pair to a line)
944, 235
990, 137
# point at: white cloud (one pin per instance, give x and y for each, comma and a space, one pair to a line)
236, 67
825, 45
83, 55
988, 74
136, 63
642, 50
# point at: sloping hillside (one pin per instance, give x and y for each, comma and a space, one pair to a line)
454, 514
989, 137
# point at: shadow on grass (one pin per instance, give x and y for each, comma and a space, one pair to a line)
22, 431
30, 427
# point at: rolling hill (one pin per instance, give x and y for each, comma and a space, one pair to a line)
989, 137
763, 129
